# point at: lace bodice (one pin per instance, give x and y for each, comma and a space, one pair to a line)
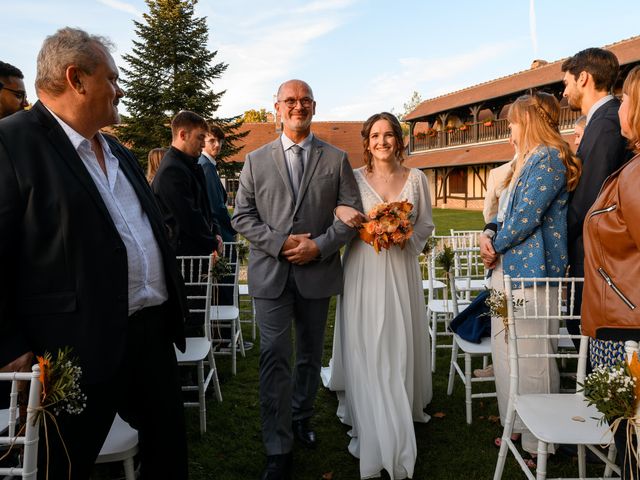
410, 191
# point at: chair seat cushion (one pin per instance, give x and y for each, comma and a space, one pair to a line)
224, 312
121, 443
553, 418
197, 349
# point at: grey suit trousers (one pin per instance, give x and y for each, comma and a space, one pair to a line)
283, 398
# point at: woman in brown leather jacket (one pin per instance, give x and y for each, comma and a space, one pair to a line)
611, 300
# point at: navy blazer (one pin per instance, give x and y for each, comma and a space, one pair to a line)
602, 150
64, 275
217, 199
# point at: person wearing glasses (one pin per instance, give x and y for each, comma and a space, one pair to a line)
13, 96
288, 191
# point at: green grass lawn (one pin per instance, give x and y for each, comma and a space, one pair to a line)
448, 448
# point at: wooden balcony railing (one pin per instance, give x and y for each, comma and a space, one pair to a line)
479, 132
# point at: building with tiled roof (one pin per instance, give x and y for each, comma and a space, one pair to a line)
458, 137
344, 135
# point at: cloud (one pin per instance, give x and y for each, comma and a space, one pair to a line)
270, 47
390, 90
122, 6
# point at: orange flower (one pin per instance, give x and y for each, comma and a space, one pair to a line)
634, 369
44, 364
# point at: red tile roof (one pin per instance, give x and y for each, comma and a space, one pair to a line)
627, 51
344, 135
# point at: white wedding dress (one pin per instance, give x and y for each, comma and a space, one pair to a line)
380, 366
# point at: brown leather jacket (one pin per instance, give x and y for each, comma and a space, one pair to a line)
611, 300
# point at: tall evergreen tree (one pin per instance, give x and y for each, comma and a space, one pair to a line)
170, 69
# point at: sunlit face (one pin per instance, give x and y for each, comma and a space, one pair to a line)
572, 91
382, 142
296, 107
193, 141
13, 96
577, 134
623, 114
212, 145
102, 91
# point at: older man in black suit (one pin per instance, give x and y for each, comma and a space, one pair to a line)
86, 262
589, 78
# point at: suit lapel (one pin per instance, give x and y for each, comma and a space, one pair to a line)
64, 147
310, 167
281, 164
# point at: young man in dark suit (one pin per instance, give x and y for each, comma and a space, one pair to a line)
179, 186
589, 78
217, 194
86, 263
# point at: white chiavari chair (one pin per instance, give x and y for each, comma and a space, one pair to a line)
553, 418
196, 272
20, 433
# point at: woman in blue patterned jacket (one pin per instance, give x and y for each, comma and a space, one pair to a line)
529, 233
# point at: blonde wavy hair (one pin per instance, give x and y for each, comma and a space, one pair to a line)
538, 115
631, 89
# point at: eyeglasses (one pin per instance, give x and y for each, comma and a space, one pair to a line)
306, 102
21, 95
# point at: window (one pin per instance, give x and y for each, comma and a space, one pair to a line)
458, 181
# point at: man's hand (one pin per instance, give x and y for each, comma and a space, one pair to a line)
304, 252
21, 364
487, 252
292, 242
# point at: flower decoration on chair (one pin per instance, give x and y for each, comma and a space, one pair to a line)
390, 225
615, 392
243, 249
220, 267
431, 244
488, 123
60, 379
497, 304
445, 258
61, 393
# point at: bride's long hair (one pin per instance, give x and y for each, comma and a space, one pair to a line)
397, 133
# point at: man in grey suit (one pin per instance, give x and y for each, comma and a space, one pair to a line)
284, 207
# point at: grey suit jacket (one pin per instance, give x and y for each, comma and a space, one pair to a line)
266, 213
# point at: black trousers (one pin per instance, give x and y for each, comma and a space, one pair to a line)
145, 392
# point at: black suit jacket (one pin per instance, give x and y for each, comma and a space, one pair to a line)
64, 265
179, 186
602, 150
217, 199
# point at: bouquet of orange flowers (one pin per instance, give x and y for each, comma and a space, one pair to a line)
389, 225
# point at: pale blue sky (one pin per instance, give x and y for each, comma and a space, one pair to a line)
360, 56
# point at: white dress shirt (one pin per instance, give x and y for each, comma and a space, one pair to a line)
147, 285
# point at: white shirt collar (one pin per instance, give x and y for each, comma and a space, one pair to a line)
209, 157
287, 143
76, 139
596, 106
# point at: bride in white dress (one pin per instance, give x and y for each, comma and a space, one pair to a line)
380, 366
